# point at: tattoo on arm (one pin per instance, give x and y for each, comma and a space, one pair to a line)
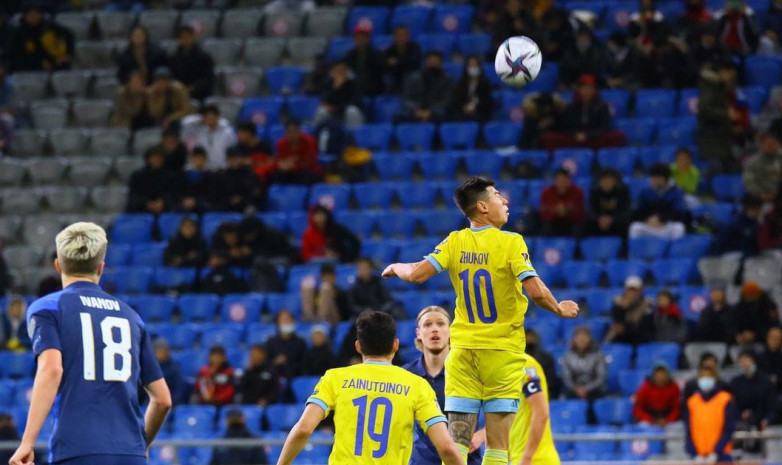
461, 427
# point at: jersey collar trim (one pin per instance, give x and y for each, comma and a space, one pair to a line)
376, 362
481, 228
83, 284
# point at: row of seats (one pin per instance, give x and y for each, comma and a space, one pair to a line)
74, 171
63, 199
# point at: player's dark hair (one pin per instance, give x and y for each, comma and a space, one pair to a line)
660, 170
470, 192
376, 332
246, 126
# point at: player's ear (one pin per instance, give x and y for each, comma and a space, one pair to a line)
396, 344
358, 348
57, 265
100, 269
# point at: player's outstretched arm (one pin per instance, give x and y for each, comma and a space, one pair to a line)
446, 448
45, 386
300, 433
159, 405
415, 273
538, 419
543, 298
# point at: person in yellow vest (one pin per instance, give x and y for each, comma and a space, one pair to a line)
708, 416
530, 436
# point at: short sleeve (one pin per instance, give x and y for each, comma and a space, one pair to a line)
323, 395
150, 368
519, 260
440, 255
427, 410
44, 331
532, 383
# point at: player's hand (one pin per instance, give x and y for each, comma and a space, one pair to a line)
24, 455
389, 272
477, 440
568, 309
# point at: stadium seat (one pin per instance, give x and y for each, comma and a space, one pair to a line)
600, 248
618, 358
168, 223
478, 44
241, 308
692, 300
217, 334
619, 270
443, 43
190, 361
198, 307
660, 154
501, 133
621, 159
276, 303
441, 222
438, 165
361, 223
286, 23
551, 275
384, 107
16, 365
282, 416
7, 391
259, 333
655, 103
373, 17
194, 418
212, 221
302, 108
648, 248
677, 131
416, 194
261, 110
298, 221
331, 196
452, 18
415, 136
688, 102
637, 131
595, 451
287, 197
581, 274
728, 187
458, 135
554, 250
253, 417
379, 251
617, 100
396, 224
175, 278
690, 246
568, 412
613, 411
224, 52
641, 449
597, 326
374, 136
631, 380
762, 71
484, 164
414, 17
338, 48
754, 97
132, 228
284, 79
578, 162
649, 354
118, 255
330, 21
672, 271
394, 166
405, 332
150, 254
127, 280
155, 308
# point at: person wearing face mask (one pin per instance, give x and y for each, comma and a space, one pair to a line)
754, 395
286, 349
515, 20
708, 416
472, 99
425, 98
710, 361
584, 57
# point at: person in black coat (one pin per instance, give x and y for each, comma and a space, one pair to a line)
39, 44
220, 279
403, 57
180, 392
609, 202
741, 234
153, 188
770, 360
755, 396
187, 248
369, 292
471, 99
239, 182
716, 321
340, 100
367, 62
260, 383
202, 190
515, 20
237, 429
585, 56
174, 149
264, 240
286, 348
192, 66
227, 241
141, 55
319, 356
625, 65
426, 95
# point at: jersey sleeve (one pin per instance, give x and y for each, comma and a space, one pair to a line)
44, 331
441, 254
518, 258
427, 410
532, 384
323, 395
150, 368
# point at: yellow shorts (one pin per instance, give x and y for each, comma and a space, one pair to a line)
482, 378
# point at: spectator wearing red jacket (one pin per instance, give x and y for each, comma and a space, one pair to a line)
297, 157
562, 206
215, 382
658, 400
324, 238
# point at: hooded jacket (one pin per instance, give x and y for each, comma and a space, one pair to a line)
335, 237
586, 369
653, 402
667, 203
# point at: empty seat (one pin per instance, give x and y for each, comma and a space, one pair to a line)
77, 22
69, 141
727, 187
30, 85
677, 131
47, 170
49, 114
198, 307
373, 136
194, 418
94, 54
303, 108
262, 111
338, 47
452, 18
283, 24
12, 172
690, 246
766, 271
442, 43
631, 380
568, 412
379, 251
415, 136
374, 18
442, 222
148, 254
118, 255
22, 256
282, 416
155, 308
385, 108
332, 196
501, 133
393, 166
241, 82
174, 278
241, 23
439, 165
327, 21
28, 142
303, 50
71, 83
719, 269
92, 113
114, 24
581, 274
672, 271
127, 280
220, 334
284, 79
203, 22
361, 223
693, 351
224, 52
144, 139
619, 270
20, 201
473, 44
109, 198
263, 51
159, 24
578, 162
66, 199
601, 248
458, 135
655, 103
416, 194
648, 248
649, 354
762, 71
89, 174
9, 227
131, 229
637, 131
396, 224
108, 142
303, 386
287, 198
621, 159
17, 365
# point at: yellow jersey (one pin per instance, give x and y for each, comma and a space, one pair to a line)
534, 384
486, 266
375, 406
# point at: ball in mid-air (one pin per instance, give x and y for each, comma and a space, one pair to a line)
518, 61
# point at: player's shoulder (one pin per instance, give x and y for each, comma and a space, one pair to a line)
533, 369
48, 302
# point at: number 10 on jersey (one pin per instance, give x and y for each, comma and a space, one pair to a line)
481, 284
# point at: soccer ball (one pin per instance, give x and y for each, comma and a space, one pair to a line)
518, 61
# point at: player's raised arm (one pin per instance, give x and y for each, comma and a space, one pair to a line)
415, 273
543, 298
300, 433
446, 448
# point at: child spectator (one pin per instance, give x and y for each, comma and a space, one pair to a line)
686, 175
325, 238
202, 189
254, 148
297, 157
658, 400
668, 321
661, 208
187, 248
215, 383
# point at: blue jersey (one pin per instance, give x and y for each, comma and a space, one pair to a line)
106, 356
424, 452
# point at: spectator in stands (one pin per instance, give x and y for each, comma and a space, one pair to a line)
534, 347
39, 44
647, 24
770, 234
215, 383
153, 188
584, 370
471, 99
756, 312
174, 149
341, 98
609, 201
13, 324
6, 86
706, 52
326, 302
220, 279
319, 356
669, 325
228, 242
370, 291
715, 323
709, 361
625, 65
562, 206
5, 278
770, 360
239, 183
631, 313
192, 66
771, 30
236, 428
661, 209
325, 238
202, 188
7, 129
754, 395
366, 61
708, 415
210, 131
690, 25
286, 348
515, 20
586, 122
130, 104
736, 28
542, 113
167, 100
7, 31
187, 248
260, 384
258, 151
583, 57
264, 240
658, 401
685, 174
763, 171
171, 372
426, 94
557, 31
297, 157
402, 58
141, 55
741, 234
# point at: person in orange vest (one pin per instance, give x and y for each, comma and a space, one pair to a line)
708, 416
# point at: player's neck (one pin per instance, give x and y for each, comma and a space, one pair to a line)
68, 280
434, 362
479, 223
378, 359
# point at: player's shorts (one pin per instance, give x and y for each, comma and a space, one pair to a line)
482, 378
104, 460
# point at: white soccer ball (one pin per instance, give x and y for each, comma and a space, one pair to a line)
518, 61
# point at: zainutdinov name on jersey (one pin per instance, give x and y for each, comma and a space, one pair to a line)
376, 386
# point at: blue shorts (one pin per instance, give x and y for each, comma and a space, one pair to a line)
104, 460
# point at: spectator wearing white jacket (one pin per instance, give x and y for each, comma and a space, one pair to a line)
211, 132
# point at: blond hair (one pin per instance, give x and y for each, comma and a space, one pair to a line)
81, 248
427, 310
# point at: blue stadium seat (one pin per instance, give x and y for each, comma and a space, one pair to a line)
442, 222
677, 131
416, 194
385, 107
452, 18
414, 250
454, 70
631, 380
459, 135
554, 250
754, 97
361, 223
380, 251
617, 100
331, 196
287, 197
599, 301
339, 47
648, 354
568, 412
154, 308
501, 133
414, 301
190, 361
118, 255
374, 136
128, 280
446, 189
174, 278
393, 166
659, 154
692, 300
613, 411
22, 395
218, 334
396, 224
515, 192
601, 248
373, 17
548, 329
649, 248
405, 332
132, 228
415, 136
279, 302
597, 326
276, 220
7, 391
617, 16
284, 79
302, 107
537, 159
619, 270
253, 417
282, 416
194, 418
484, 164
762, 71
438, 165
263, 111
618, 358
212, 221
690, 246
178, 335
637, 131
640, 450
581, 274
621, 159
546, 81
149, 254
15, 365
382, 42
241, 308
416, 18
303, 386
478, 44
577, 161
688, 102
259, 333
443, 43
672, 271
595, 451
198, 307
721, 213
168, 223
728, 187
298, 221
655, 103
551, 275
